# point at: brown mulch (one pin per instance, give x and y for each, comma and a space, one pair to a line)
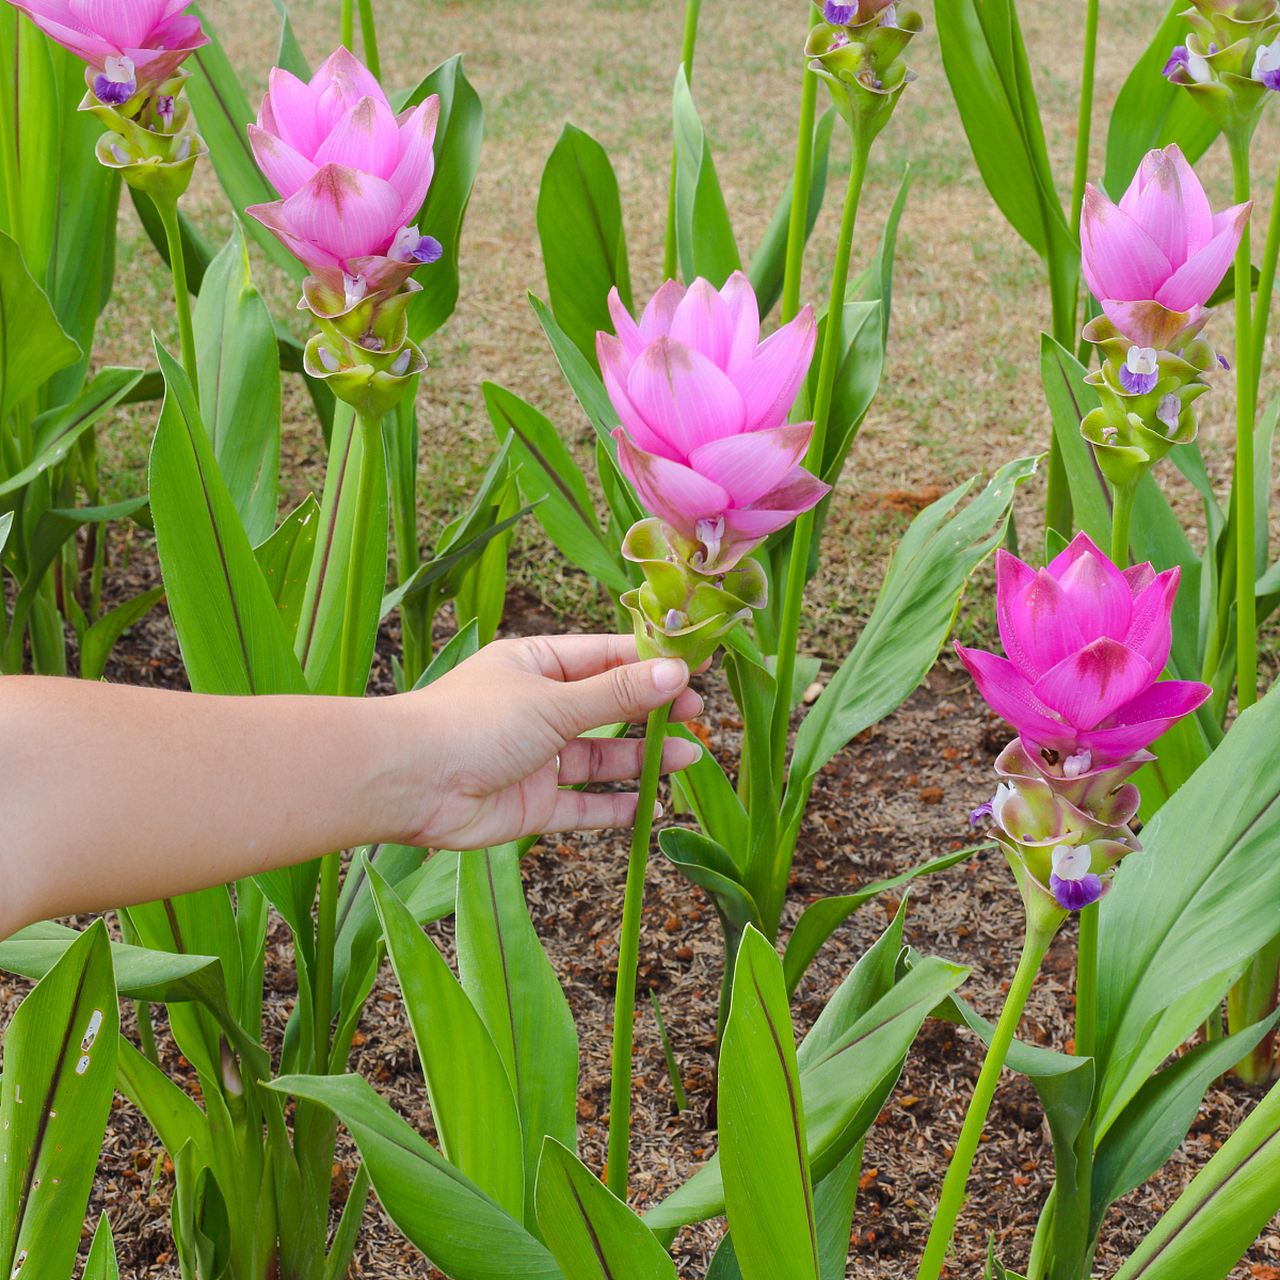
900, 793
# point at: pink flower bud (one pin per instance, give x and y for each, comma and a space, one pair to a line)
1153, 260
703, 403
154, 35
352, 174
1086, 644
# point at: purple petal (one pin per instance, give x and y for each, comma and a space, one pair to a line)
1173, 208
415, 163
703, 323
1074, 894
1038, 627
1119, 258
1194, 282
615, 367
770, 380
1150, 631
113, 93
1089, 686
347, 213
625, 327
655, 322
744, 314
293, 108
839, 15
1137, 384
1098, 595
685, 399
751, 464
1013, 699
669, 490
286, 169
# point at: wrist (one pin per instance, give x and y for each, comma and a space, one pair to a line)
407, 786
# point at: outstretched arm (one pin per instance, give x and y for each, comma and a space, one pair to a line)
112, 795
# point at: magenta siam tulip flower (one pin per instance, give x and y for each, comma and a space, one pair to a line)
704, 403
1086, 646
351, 175
130, 43
1153, 260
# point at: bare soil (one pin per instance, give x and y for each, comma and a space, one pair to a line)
900, 793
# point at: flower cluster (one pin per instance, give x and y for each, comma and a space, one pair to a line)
1231, 59
352, 176
857, 49
706, 443
1152, 261
1086, 645
134, 50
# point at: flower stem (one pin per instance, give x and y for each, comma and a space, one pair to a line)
371, 474
1246, 605
348, 24
1266, 281
1121, 513
799, 198
624, 1004
168, 209
691, 8
789, 627
369, 34
1086, 116
1034, 947
1087, 982
326, 936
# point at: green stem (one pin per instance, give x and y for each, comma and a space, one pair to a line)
168, 208
1086, 116
687, 43
348, 24
789, 628
1087, 981
326, 935
1121, 513
944, 1220
1266, 281
369, 34
1038, 1261
799, 223
371, 474
624, 1005
1246, 605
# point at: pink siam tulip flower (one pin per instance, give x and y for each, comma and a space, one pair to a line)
1086, 646
1153, 260
129, 42
352, 175
703, 403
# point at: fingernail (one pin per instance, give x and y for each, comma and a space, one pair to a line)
697, 753
670, 674
657, 810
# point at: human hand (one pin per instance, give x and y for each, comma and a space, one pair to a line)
499, 721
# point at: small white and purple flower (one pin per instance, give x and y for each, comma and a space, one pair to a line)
116, 83
409, 246
1071, 882
1168, 411
1192, 65
1266, 65
839, 15
1140, 371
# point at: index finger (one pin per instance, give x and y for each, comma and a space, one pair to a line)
568, 658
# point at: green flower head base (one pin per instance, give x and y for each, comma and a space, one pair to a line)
1146, 398
679, 612
857, 49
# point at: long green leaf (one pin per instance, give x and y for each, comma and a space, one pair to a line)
445, 1214
1220, 1214
33, 345
764, 1150
474, 1109
1176, 925
101, 1263
285, 560
704, 237
457, 157
584, 246
593, 1235
240, 385
101, 638
509, 979
55, 1095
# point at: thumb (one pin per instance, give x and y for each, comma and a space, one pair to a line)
628, 692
